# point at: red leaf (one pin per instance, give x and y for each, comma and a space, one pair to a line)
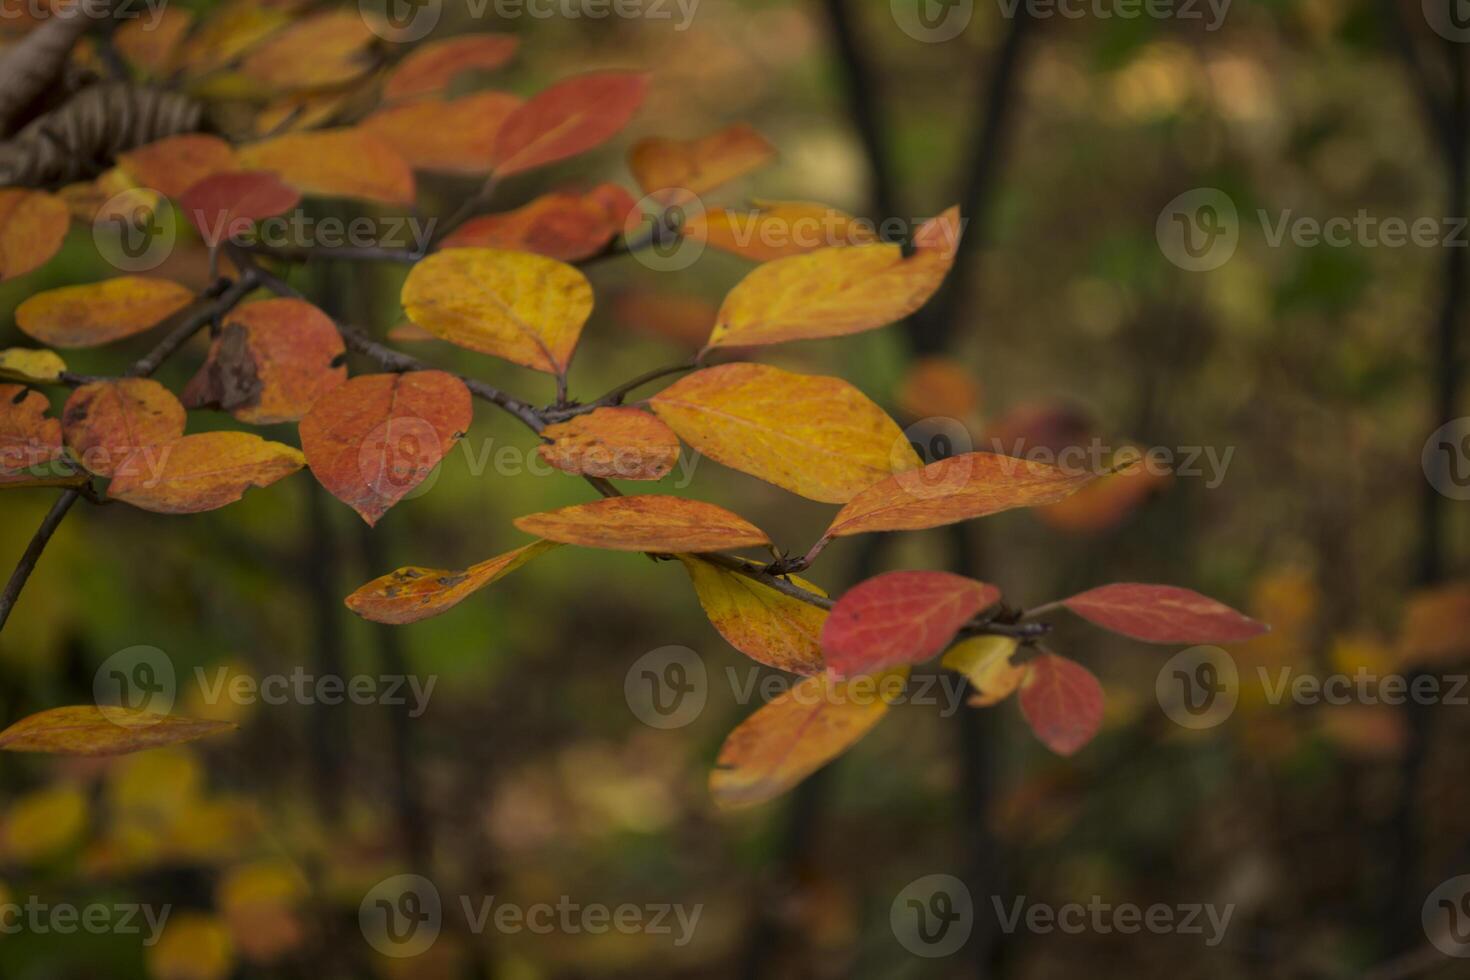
899, 618
1062, 702
1163, 614
226, 205
568, 118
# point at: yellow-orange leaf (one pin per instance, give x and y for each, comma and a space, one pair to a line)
614, 443
229, 32
433, 67
817, 437
449, 137
796, 734
175, 164
152, 45
100, 312
335, 163
956, 489
202, 472
90, 730
837, 291
30, 366
411, 594
986, 663
699, 165
652, 522
564, 226
320, 51
779, 229
760, 622
32, 227
525, 308
107, 421
27, 437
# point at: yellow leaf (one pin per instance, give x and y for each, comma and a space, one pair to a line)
986, 662
100, 312
796, 734
699, 165
336, 163
411, 594
817, 437
201, 472
760, 622
836, 291
525, 308
194, 946
89, 730
31, 366
42, 823
229, 32
653, 522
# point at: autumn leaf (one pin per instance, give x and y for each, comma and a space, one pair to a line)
303, 112
27, 437
561, 225
1163, 614
349, 163
32, 227
653, 523
1436, 628
614, 443
316, 52
105, 422
762, 623
986, 663
817, 437
525, 308
959, 488
90, 730
30, 366
900, 618
837, 291
173, 165
699, 165
270, 362
100, 312
447, 137
938, 387
796, 734
778, 230
152, 46
226, 205
201, 472
431, 68
1106, 502
1062, 702
411, 594
568, 118
376, 437
231, 30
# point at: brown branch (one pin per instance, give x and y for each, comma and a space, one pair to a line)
36, 62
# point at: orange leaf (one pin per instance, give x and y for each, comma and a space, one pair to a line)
32, 227
699, 165
1436, 626
955, 489
270, 362
778, 230
411, 594
449, 137
320, 51
373, 439
1105, 503
765, 625
336, 163
818, 437
27, 437
568, 118
614, 443
107, 421
201, 472
837, 291
938, 387
793, 736
1062, 702
232, 29
173, 165
1163, 614
90, 730
653, 523
226, 205
900, 618
560, 225
151, 46
433, 67
100, 312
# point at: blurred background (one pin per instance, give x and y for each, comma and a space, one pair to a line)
1093, 298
